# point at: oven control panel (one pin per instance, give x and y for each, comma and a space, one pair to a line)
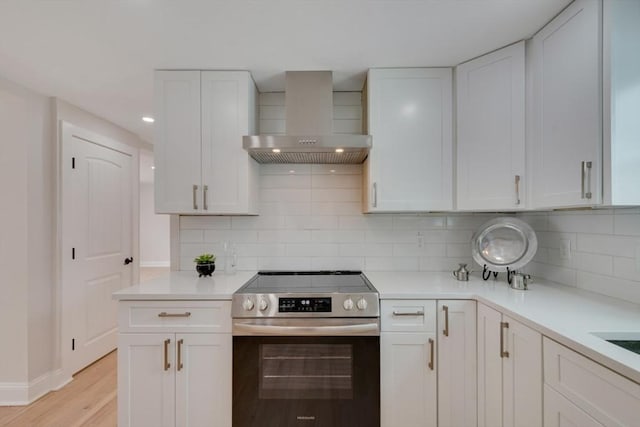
304, 305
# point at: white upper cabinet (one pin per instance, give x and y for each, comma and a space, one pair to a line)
409, 168
491, 131
566, 143
201, 167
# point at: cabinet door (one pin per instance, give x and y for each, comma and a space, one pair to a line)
203, 380
228, 98
567, 100
410, 120
177, 142
457, 387
522, 375
146, 375
561, 412
491, 133
408, 395
489, 367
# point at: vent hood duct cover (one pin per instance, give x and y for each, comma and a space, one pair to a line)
309, 127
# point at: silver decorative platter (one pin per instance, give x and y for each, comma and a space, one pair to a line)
503, 243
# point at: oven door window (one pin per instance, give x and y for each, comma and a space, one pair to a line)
306, 371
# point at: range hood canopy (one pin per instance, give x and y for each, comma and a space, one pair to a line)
309, 134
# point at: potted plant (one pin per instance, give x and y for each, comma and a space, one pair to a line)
205, 264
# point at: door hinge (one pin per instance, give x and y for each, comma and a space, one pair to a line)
73, 344
73, 163
73, 253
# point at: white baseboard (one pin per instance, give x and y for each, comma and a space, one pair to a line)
24, 393
155, 264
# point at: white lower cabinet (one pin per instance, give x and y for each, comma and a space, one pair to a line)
168, 376
428, 363
592, 394
509, 371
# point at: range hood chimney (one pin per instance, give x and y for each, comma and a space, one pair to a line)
309, 134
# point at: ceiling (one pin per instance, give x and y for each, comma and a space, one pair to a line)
100, 54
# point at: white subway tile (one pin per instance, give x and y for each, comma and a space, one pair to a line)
312, 222
627, 224
261, 249
234, 236
271, 98
205, 222
285, 181
336, 208
537, 220
284, 263
458, 249
418, 222
392, 236
626, 268
338, 169
548, 239
618, 288
392, 264
347, 98
433, 263
191, 236
336, 195
257, 222
283, 236
468, 221
366, 249
247, 263
594, 263
565, 276
285, 195
270, 112
345, 112
312, 249
365, 222
429, 249
273, 126
580, 223
338, 236
285, 208
608, 244
336, 181
337, 263
284, 169
192, 250
554, 258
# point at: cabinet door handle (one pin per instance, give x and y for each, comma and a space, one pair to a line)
586, 179
503, 326
431, 353
375, 194
517, 182
409, 313
446, 320
167, 365
195, 197
205, 189
179, 361
165, 314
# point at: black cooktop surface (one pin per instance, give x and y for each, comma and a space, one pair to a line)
631, 345
272, 282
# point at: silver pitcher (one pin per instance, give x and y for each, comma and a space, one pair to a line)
462, 273
520, 281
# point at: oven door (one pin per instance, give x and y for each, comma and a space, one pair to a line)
320, 380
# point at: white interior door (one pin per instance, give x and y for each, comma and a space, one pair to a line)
98, 207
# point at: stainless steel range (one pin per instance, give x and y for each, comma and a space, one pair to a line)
306, 350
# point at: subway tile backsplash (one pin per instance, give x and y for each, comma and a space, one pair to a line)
310, 218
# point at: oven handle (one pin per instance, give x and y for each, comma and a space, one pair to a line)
359, 329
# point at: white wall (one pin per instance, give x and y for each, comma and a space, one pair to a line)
605, 250
154, 231
312, 219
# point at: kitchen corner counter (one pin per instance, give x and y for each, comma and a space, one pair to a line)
186, 285
565, 314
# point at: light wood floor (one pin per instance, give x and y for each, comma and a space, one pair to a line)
89, 400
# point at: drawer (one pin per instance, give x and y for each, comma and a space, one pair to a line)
408, 315
174, 316
604, 395
560, 412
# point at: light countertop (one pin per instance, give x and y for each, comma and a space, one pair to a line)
564, 314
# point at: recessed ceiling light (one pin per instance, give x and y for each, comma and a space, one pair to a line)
339, 150
148, 119
276, 150
153, 167
332, 171
292, 171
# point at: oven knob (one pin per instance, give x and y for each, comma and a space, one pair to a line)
247, 304
362, 304
348, 304
263, 304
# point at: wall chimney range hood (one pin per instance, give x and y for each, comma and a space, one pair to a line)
309, 134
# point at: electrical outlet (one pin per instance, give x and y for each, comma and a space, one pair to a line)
565, 249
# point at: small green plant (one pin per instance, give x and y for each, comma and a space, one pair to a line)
205, 259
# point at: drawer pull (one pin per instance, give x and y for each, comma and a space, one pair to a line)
431, 351
408, 313
165, 314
